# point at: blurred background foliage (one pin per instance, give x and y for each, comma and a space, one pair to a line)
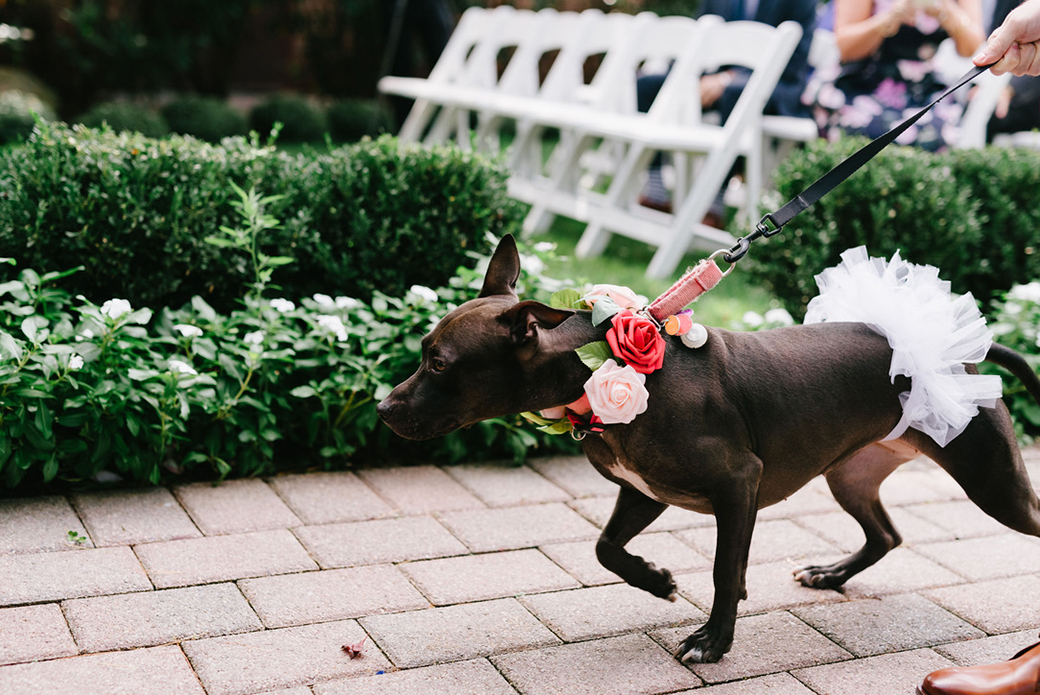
85, 51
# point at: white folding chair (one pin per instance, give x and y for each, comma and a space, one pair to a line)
674, 125
610, 95
449, 69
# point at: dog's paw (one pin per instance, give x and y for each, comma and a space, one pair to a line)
660, 583
704, 646
821, 577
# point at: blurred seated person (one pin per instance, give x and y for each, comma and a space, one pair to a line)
1018, 108
886, 71
720, 91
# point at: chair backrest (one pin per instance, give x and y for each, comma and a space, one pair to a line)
552, 31
469, 31
508, 28
765, 50
655, 41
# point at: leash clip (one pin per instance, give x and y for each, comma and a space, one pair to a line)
762, 229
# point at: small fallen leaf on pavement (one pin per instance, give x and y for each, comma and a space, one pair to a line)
356, 651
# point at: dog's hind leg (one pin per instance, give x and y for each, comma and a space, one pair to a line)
855, 485
633, 512
986, 462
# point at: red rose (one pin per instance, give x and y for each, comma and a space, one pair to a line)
635, 339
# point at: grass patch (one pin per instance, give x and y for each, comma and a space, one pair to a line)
625, 261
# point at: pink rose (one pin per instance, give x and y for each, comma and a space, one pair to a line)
635, 339
622, 296
617, 394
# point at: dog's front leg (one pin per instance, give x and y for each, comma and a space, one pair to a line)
736, 505
633, 512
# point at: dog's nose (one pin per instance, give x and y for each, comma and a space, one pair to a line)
384, 409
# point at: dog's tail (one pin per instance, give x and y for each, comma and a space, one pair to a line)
1016, 364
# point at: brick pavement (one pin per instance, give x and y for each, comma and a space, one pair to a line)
482, 580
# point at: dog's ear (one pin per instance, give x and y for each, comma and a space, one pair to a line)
524, 318
504, 269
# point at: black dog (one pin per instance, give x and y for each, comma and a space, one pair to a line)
754, 417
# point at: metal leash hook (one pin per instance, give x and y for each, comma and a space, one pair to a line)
743, 244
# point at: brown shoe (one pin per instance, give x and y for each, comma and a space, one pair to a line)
655, 204
1019, 676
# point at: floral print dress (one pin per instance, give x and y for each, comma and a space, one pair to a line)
870, 96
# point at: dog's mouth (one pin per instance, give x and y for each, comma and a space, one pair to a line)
404, 423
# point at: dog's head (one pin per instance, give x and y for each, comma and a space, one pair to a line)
492, 356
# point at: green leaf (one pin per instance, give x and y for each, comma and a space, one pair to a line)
565, 299
279, 260
304, 392
44, 420
50, 469
9, 347
595, 355
558, 427
29, 328
220, 242
603, 309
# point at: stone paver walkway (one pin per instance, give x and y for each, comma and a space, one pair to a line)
482, 579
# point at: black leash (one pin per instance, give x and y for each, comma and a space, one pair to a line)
774, 222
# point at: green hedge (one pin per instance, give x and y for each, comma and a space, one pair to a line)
134, 212
205, 118
972, 214
193, 393
120, 116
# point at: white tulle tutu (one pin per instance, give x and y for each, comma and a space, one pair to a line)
931, 332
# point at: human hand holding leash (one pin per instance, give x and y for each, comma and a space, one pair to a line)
1013, 45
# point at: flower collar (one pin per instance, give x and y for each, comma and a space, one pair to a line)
634, 347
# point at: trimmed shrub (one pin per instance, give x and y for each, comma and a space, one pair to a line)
352, 119
301, 120
205, 118
970, 213
192, 393
122, 116
134, 212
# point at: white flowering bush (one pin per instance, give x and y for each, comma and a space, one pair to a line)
189, 393
1015, 322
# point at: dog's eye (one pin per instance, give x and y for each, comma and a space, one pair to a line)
438, 365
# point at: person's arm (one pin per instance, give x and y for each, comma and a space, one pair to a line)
962, 20
1013, 45
859, 34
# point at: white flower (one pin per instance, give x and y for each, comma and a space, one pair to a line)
1029, 293
779, 316
254, 338
114, 308
179, 367
424, 292
333, 324
87, 334
532, 264
544, 246
282, 305
324, 301
347, 303
75, 362
752, 319
188, 331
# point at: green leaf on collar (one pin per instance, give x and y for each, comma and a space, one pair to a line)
595, 355
603, 309
565, 299
558, 427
